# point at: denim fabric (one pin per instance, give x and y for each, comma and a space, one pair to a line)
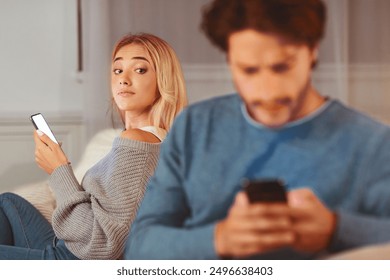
25, 234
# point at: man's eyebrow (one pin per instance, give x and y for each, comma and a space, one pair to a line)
133, 58
288, 59
291, 58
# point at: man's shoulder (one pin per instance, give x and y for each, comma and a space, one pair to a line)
351, 118
221, 105
209, 115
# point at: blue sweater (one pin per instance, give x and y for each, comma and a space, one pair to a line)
342, 155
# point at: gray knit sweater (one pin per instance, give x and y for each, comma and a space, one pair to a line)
94, 218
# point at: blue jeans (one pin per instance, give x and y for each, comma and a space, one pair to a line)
25, 234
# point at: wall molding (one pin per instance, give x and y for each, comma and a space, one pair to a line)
362, 86
325, 73
206, 72
353, 71
213, 72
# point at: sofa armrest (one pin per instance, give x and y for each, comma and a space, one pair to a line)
40, 195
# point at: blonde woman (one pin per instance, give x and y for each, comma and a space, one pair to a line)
92, 219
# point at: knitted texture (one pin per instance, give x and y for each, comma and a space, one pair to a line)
94, 218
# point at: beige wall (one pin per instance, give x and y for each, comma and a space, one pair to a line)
38, 54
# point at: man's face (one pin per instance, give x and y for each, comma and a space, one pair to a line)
272, 77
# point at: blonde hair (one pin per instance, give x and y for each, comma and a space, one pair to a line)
170, 79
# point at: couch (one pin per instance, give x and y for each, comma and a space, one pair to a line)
369, 252
41, 196
39, 193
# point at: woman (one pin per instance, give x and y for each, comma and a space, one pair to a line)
92, 220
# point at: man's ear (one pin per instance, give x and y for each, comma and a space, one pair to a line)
314, 55
315, 52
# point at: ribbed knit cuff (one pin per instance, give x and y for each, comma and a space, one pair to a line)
63, 182
204, 243
357, 230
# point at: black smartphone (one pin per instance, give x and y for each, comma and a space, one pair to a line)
265, 190
40, 123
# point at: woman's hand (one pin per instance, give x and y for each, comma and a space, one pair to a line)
48, 154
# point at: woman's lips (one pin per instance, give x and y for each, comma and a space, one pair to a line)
125, 93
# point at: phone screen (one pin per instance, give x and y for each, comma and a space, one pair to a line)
40, 123
266, 190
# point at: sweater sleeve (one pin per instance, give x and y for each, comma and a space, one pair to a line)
357, 230
370, 223
94, 218
159, 231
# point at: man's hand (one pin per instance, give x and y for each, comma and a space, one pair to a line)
48, 155
313, 223
253, 228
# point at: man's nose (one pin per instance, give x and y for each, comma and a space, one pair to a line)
267, 88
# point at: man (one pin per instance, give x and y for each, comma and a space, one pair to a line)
334, 160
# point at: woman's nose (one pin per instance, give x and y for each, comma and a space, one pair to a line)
124, 82
125, 79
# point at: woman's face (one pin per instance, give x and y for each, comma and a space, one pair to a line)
133, 79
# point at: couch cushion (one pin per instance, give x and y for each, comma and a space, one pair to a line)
40, 195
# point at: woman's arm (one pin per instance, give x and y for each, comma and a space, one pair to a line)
94, 219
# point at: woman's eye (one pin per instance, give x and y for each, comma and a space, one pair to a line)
117, 71
140, 70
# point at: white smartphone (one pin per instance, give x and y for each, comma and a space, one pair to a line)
40, 123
